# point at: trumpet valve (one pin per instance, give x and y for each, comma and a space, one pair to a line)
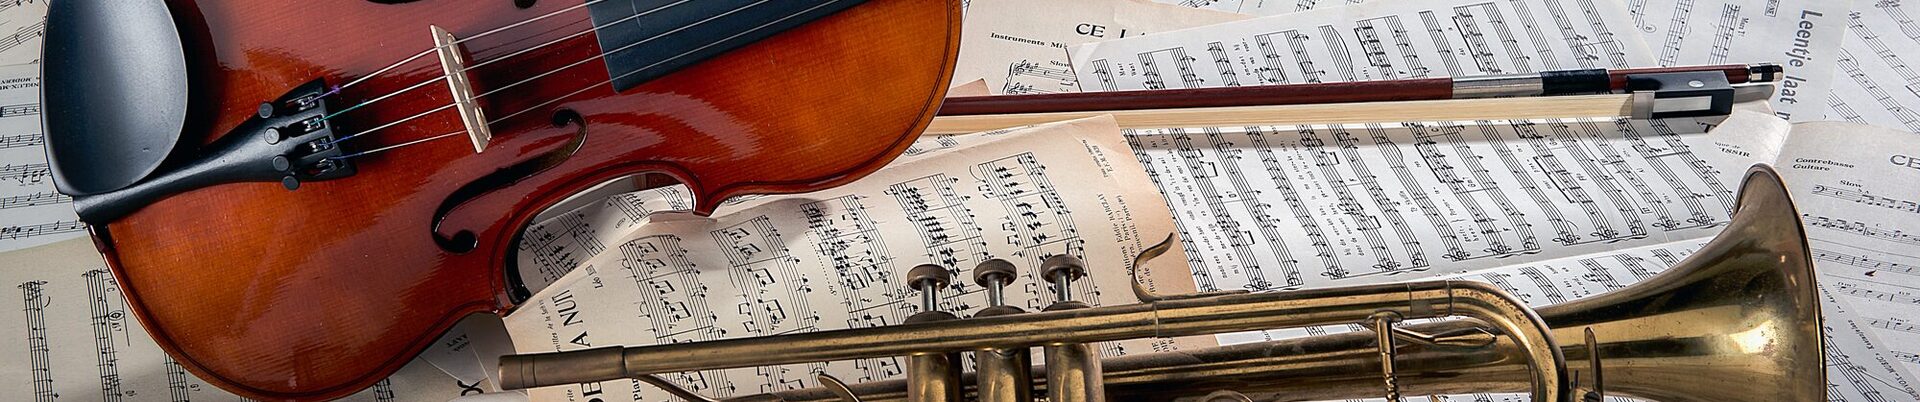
932, 377
1061, 270
1002, 375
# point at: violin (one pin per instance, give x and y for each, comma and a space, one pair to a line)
298, 197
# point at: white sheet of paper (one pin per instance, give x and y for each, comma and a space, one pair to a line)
1019, 46
1873, 83
23, 26
1803, 36
1858, 190
1268, 208
1261, 7
31, 211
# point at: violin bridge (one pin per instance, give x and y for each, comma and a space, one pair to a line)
453, 60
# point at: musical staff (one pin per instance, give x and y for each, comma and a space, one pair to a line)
1030, 77
1871, 88
868, 283
43, 229
555, 246
1868, 229
1864, 197
34, 200
109, 330
945, 223
21, 36
1895, 324
1869, 263
34, 303
178, 388
1857, 377
22, 141
559, 245
672, 300
24, 174
35, 212
1881, 291
1041, 224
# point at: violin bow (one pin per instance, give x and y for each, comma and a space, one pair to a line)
1682, 91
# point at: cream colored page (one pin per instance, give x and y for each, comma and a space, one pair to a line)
834, 259
1802, 36
1858, 191
69, 337
1019, 46
553, 247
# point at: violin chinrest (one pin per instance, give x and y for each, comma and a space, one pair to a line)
115, 101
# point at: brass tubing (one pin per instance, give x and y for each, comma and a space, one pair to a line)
1329, 367
1004, 375
1073, 374
1170, 318
934, 377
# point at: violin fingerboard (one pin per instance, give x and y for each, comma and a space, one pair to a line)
646, 39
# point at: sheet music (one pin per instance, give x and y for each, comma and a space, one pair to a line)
1260, 7
1858, 191
1019, 47
553, 247
1874, 83
23, 26
32, 212
1273, 208
834, 259
1369, 41
1801, 35
68, 336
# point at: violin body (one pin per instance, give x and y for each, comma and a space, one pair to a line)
323, 290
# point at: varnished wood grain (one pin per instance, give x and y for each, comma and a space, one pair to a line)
320, 292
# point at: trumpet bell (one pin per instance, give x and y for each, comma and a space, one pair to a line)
1739, 319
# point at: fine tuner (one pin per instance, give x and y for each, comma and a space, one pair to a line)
1742, 310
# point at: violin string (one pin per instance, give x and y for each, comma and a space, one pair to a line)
430, 81
381, 98
393, 123
663, 61
395, 146
588, 87
430, 51
603, 55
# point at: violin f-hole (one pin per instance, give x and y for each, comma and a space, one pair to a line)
465, 241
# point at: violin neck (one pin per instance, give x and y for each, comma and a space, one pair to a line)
645, 39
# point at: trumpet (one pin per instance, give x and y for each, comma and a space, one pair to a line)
1737, 320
